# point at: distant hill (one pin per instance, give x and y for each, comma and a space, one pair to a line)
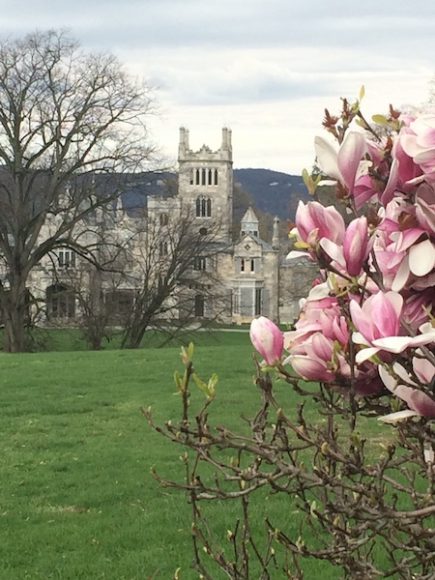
273, 192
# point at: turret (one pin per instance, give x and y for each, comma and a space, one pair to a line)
184, 142
275, 235
226, 139
249, 223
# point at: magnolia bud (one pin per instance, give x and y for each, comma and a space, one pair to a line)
267, 339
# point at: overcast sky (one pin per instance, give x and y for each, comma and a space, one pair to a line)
264, 68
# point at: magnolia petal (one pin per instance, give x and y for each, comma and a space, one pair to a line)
358, 338
396, 344
393, 418
393, 344
327, 158
390, 188
295, 255
388, 380
402, 275
360, 319
365, 354
422, 258
318, 292
424, 369
422, 404
349, 157
327, 182
334, 251
404, 240
396, 300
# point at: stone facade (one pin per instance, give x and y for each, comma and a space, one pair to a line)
253, 274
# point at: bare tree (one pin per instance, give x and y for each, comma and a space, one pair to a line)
174, 275
64, 116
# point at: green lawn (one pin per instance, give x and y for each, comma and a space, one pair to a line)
76, 496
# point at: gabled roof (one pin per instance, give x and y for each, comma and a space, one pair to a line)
249, 216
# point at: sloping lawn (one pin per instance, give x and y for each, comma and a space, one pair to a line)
76, 496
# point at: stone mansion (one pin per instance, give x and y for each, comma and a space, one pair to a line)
254, 275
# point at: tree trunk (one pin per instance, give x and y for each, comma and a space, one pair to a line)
15, 310
134, 334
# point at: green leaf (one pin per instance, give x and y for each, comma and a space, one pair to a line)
178, 381
380, 120
309, 183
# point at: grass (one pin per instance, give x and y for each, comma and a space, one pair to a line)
71, 339
77, 500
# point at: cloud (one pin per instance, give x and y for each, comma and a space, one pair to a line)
235, 23
267, 69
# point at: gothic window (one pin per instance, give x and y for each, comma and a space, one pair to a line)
197, 177
203, 231
216, 177
258, 301
200, 263
192, 176
203, 175
61, 302
163, 248
210, 177
66, 258
203, 206
252, 265
164, 219
199, 305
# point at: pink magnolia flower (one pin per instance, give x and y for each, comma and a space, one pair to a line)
344, 164
351, 256
267, 339
418, 141
378, 324
320, 313
314, 222
406, 255
379, 316
313, 359
402, 385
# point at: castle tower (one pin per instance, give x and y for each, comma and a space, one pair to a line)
206, 183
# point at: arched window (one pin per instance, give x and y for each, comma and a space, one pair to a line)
203, 180
215, 176
164, 219
61, 302
203, 206
210, 177
197, 177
